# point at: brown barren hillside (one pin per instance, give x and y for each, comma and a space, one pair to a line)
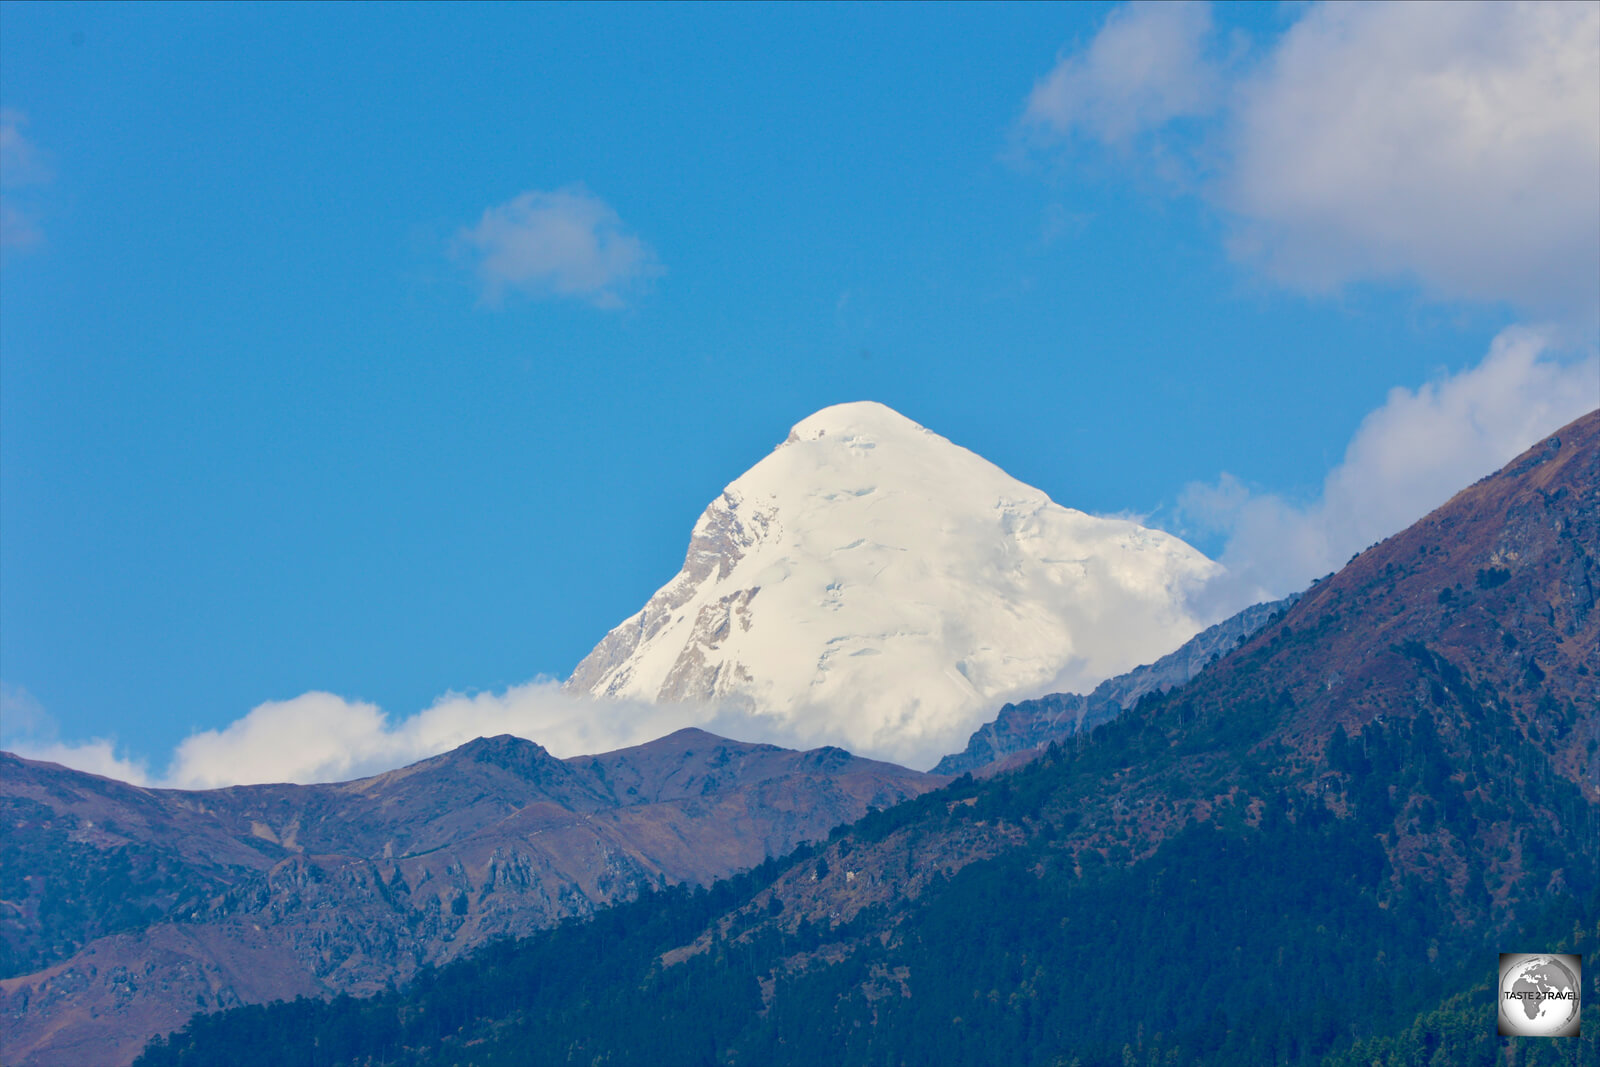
125, 909
1500, 585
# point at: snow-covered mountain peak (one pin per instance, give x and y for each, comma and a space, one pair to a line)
871, 584
865, 420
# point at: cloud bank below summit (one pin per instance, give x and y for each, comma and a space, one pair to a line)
323, 737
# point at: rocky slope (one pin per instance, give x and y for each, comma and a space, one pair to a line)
127, 909
871, 582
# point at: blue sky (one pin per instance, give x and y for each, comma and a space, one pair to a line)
391, 351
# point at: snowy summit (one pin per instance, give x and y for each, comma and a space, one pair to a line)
873, 585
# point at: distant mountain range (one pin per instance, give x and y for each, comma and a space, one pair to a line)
872, 584
1309, 852
130, 906
127, 909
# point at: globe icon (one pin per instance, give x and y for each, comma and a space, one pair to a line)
1538, 997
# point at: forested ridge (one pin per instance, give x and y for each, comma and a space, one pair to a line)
1276, 931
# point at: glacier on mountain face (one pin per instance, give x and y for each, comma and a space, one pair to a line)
872, 585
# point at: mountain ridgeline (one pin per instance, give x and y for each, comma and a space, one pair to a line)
1310, 852
127, 909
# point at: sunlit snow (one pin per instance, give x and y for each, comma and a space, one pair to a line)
870, 584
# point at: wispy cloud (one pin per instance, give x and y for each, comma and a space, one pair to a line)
1146, 67
1406, 458
563, 243
1060, 224
22, 716
1453, 145
22, 170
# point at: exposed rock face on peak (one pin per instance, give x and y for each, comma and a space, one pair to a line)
872, 583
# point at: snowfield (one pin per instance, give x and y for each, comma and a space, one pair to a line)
872, 585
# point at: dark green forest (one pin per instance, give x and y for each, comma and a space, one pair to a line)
1278, 930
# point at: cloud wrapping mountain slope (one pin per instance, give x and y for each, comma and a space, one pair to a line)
878, 586
1021, 731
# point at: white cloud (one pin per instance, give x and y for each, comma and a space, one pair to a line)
1455, 145
97, 756
22, 168
27, 729
322, 737
565, 243
1146, 67
1405, 459
314, 737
